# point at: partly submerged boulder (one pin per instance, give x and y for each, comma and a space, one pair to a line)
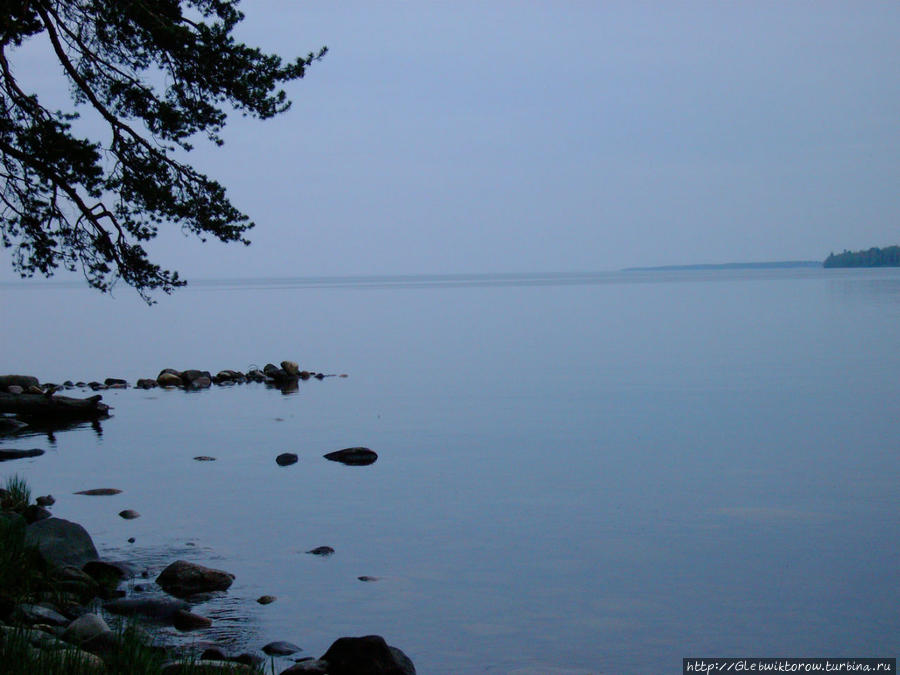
369, 655
166, 379
286, 459
353, 456
158, 609
183, 578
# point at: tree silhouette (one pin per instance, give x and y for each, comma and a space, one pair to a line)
158, 73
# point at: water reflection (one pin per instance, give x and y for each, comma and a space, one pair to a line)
49, 428
871, 287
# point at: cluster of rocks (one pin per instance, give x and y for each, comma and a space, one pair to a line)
66, 617
287, 373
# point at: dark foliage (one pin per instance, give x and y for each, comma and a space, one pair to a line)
874, 257
158, 73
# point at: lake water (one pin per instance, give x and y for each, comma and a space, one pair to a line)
598, 472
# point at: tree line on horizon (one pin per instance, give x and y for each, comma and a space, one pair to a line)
889, 256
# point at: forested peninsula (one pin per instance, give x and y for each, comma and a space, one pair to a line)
874, 257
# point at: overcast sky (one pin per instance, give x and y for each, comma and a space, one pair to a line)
557, 136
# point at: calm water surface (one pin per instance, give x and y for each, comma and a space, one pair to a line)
601, 472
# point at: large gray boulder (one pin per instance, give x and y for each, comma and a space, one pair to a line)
369, 655
61, 542
183, 578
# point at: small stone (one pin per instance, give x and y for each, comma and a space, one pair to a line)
280, 648
205, 458
266, 599
286, 459
321, 550
96, 492
202, 382
131, 540
290, 367
129, 514
367, 578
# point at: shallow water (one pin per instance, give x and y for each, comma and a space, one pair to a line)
604, 472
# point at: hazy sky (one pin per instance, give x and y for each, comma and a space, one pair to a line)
558, 136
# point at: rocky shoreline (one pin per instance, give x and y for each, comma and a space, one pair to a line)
74, 595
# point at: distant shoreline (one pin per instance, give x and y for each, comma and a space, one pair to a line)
784, 264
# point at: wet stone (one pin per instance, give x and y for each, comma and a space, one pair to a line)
280, 648
286, 459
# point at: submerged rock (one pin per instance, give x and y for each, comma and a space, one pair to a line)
205, 458
184, 620
266, 599
99, 492
129, 514
6, 455
146, 383
353, 456
159, 609
183, 579
321, 550
367, 578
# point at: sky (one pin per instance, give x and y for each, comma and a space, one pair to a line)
470, 137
